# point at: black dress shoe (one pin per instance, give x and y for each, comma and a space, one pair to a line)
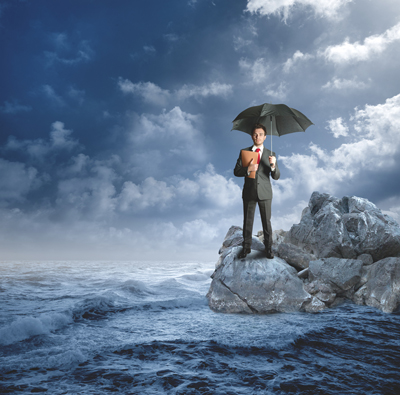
244, 253
269, 254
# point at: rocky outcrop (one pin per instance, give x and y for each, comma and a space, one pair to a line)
342, 249
294, 255
382, 285
330, 278
345, 228
258, 285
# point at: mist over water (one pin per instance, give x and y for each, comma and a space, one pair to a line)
145, 328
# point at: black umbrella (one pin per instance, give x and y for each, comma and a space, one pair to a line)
279, 119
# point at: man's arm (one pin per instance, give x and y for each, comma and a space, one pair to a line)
239, 170
275, 173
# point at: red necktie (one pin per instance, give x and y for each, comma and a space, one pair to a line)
259, 157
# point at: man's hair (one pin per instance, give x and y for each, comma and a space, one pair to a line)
259, 126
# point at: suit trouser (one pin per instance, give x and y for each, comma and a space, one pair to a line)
249, 208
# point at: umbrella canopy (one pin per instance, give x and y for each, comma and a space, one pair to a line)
279, 119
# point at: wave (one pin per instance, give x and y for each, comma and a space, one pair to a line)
97, 306
24, 328
136, 287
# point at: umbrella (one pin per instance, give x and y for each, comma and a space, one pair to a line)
279, 119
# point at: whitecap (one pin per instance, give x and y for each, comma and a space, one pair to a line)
24, 328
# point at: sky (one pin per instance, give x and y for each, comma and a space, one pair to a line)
116, 117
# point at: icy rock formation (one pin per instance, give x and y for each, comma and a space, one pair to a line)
256, 284
345, 228
349, 248
382, 285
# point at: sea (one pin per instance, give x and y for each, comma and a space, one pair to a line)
84, 327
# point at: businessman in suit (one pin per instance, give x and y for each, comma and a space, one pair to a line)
257, 190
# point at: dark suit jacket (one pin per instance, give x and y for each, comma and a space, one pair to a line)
259, 187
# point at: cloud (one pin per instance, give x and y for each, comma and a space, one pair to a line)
212, 89
240, 42
257, 71
88, 197
153, 94
375, 140
149, 49
14, 108
67, 53
151, 193
60, 140
76, 94
16, 181
355, 52
325, 8
208, 191
391, 207
171, 37
50, 93
295, 59
343, 84
337, 127
150, 93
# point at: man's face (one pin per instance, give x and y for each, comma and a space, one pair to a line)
258, 137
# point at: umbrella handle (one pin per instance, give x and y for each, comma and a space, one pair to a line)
271, 133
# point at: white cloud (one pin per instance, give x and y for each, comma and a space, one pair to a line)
337, 127
67, 53
150, 193
289, 217
257, 71
325, 8
17, 180
51, 94
165, 144
240, 42
149, 49
14, 107
216, 189
76, 94
295, 59
208, 190
391, 207
152, 93
343, 84
279, 92
60, 140
213, 89
171, 37
354, 52
375, 140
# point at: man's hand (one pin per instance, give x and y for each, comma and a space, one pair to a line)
272, 161
252, 167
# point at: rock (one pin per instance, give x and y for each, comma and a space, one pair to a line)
382, 288
333, 248
234, 237
303, 273
278, 236
340, 274
366, 259
345, 228
258, 285
294, 255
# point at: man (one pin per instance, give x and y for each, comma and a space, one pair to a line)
257, 190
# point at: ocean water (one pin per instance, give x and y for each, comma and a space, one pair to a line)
145, 328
